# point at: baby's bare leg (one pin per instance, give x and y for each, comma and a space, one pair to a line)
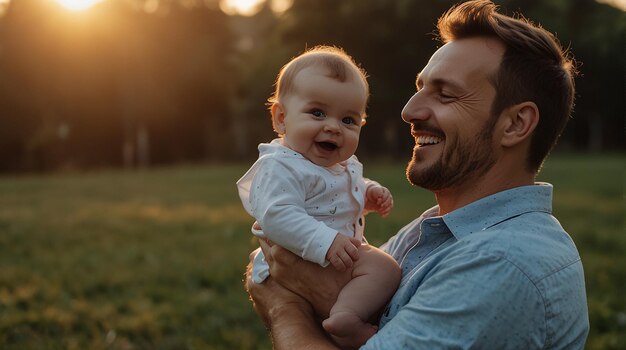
375, 278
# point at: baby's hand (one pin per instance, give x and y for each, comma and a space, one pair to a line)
343, 252
378, 199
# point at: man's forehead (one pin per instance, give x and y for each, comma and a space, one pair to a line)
486, 46
466, 56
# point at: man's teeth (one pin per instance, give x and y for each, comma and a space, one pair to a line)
428, 140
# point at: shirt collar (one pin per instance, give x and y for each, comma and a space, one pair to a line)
276, 147
491, 210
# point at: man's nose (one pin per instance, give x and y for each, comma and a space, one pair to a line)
415, 109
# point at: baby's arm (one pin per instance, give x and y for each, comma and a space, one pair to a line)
378, 198
343, 252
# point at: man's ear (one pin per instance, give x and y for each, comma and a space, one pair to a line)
519, 123
278, 118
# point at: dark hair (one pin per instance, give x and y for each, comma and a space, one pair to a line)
340, 65
534, 68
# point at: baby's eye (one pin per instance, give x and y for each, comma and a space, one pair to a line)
348, 120
318, 114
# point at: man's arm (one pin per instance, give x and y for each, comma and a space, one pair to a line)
289, 318
295, 296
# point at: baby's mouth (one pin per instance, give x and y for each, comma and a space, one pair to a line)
327, 146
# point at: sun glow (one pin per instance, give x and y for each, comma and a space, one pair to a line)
252, 7
4, 4
78, 5
241, 7
620, 4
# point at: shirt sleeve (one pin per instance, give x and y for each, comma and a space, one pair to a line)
277, 201
472, 300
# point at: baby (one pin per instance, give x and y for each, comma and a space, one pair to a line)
307, 191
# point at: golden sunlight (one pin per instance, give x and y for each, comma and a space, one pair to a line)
620, 4
78, 5
4, 4
241, 7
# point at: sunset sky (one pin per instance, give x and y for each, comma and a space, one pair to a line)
232, 7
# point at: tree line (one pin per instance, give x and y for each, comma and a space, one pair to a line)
138, 83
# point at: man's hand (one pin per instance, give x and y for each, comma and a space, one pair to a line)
343, 252
315, 284
269, 297
378, 199
287, 316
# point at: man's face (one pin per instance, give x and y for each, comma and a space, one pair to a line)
450, 115
322, 117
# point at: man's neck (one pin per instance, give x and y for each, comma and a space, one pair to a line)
492, 182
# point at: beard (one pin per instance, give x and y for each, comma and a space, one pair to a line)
457, 164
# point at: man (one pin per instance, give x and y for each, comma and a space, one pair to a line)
489, 267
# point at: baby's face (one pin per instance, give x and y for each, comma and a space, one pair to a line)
323, 116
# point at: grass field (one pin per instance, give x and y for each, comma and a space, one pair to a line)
154, 258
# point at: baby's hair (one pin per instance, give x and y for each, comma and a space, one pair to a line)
340, 65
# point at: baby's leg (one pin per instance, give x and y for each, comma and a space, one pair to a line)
375, 278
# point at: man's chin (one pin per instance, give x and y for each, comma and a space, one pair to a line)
424, 176
414, 174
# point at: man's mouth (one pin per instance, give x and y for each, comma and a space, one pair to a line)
426, 135
327, 146
427, 140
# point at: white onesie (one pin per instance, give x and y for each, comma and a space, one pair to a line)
300, 205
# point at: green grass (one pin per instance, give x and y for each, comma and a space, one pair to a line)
154, 258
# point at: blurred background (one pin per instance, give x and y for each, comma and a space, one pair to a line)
132, 83
124, 125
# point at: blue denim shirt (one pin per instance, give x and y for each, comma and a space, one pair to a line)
499, 273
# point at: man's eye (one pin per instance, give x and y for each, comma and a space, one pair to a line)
317, 113
446, 98
348, 120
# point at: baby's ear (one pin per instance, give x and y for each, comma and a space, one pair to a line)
278, 118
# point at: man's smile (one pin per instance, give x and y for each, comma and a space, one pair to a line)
426, 135
427, 140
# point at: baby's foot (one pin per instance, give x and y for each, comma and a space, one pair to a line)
348, 330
